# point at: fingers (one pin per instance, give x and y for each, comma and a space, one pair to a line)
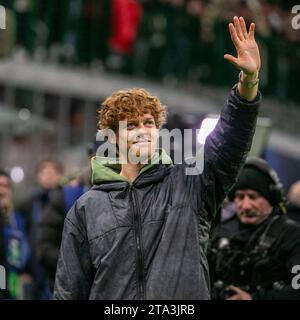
243, 27
231, 59
234, 288
236, 295
234, 37
251, 31
238, 28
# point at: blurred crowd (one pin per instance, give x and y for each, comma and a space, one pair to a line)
31, 229
165, 40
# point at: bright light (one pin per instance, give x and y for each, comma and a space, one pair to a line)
17, 174
24, 114
207, 126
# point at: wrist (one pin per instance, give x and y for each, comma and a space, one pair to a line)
248, 80
251, 75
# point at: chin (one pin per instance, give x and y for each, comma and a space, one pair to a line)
144, 154
246, 220
140, 157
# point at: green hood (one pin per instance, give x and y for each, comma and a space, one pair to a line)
108, 169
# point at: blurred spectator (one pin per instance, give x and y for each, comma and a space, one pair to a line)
8, 36
126, 17
49, 178
14, 246
5, 204
53, 217
51, 226
92, 29
24, 10
294, 201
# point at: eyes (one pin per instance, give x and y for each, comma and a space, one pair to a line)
241, 196
149, 123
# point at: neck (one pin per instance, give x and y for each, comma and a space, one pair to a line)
131, 171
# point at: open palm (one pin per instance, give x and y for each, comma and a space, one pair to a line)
248, 57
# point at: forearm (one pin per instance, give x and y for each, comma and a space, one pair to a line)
231, 140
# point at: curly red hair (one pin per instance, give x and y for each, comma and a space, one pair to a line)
129, 105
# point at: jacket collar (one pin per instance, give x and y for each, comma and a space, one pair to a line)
106, 172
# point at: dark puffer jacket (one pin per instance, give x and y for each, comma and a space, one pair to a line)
257, 258
147, 239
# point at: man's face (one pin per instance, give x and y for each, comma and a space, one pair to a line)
251, 207
137, 140
5, 191
48, 177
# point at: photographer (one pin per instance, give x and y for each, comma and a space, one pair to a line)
251, 255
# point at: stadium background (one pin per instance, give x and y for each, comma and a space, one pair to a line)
59, 59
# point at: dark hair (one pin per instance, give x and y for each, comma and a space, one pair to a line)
52, 162
4, 173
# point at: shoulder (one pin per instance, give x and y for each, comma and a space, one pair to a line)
290, 224
93, 194
290, 231
86, 203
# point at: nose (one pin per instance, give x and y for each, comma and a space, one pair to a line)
245, 203
141, 130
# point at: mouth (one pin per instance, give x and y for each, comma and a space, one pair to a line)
141, 141
250, 214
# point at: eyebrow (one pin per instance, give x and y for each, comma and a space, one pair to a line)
148, 118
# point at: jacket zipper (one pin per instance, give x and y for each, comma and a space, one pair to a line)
137, 234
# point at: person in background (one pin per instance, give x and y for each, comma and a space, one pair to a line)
252, 254
293, 197
52, 221
49, 176
14, 246
51, 225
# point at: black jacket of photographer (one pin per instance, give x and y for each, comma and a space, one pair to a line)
258, 259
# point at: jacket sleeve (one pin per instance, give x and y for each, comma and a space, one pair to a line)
223, 154
74, 269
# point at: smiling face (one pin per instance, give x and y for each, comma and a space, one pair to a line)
137, 139
251, 207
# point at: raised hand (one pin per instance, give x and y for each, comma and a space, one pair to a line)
248, 57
